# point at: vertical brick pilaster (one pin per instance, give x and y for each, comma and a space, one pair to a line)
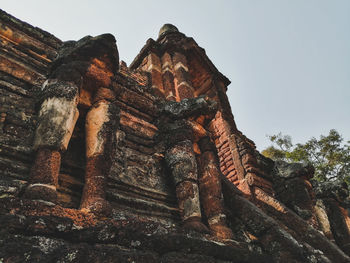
183, 84
155, 68
230, 160
168, 77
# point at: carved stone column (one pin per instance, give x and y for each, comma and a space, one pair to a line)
178, 135
334, 199
210, 189
57, 117
182, 163
100, 125
81, 78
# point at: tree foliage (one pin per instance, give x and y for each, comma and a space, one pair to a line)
330, 155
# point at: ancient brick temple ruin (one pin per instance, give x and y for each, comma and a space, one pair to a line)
104, 162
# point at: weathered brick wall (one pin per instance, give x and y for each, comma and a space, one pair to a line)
25, 57
140, 186
136, 178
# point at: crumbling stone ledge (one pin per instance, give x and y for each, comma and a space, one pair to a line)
40, 232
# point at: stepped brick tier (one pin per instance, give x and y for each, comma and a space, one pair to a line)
104, 162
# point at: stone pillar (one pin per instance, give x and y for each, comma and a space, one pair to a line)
181, 161
82, 74
323, 221
177, 134
231, 164
339, 222
293, 188
210, 190
100, 125
57, 117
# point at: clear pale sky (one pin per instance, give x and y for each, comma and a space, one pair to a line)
288, 61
